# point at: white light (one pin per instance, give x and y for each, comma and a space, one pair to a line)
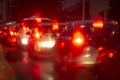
87, 55
24, 41
79, 40
47, 44
88, 62
82, 26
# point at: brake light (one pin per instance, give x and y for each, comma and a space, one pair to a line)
38, 20
15, 33
13, 39
37, 35
1, 32
11, 33
100, 48
98, 24
55, 25
24, 26
61, 44
78, 39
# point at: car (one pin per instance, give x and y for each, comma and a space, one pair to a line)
27, 25
41, 42
10, 37
77, 49
108, 57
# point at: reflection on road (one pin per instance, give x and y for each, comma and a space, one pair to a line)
28, 69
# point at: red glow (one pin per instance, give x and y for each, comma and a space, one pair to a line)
13, 39
10, 70
78, 39
25, 59
111, 54
37, 34
36, 70
24, 26
0, 32
11, 33
55, 25
98, 24
38, 20
80, 65
100, 48
62, 44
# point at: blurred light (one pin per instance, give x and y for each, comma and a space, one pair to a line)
47, 44
62, 44
115, 22
98, 24
11, 33
78, 39
13, 39
38, 20
113, 32
55, 24
111, 55
100, 48
88, 62
82, 26
0, 32
87, 55
24, 41
24, 28
37, 35
87, 49
25, 59
15, 33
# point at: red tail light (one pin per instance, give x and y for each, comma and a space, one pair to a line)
11, 33
55, 25
38, 20
78, 39
38, 34
12, 39
61, 44
98, 24
1, 32
24, 27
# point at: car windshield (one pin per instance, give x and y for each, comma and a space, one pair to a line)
87, 29
45, 28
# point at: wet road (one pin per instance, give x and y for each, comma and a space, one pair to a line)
27, 69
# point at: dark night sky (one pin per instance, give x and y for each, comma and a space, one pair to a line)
46, 8
27, 8
52, 8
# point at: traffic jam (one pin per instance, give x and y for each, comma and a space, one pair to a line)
45, 49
